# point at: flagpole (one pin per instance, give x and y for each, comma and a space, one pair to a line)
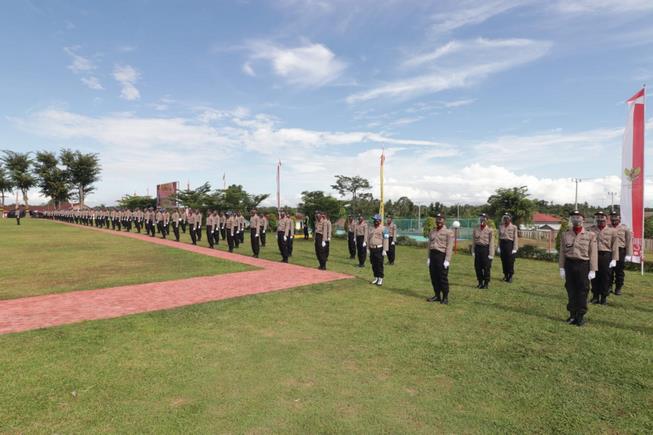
382, 206
279, 188
643, 187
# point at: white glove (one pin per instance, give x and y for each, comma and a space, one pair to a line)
446, 264
393, 243
323, 244
473, 254
562, 273
256, 234
263, 231
498, 250
613, 263
591, 275
285, 238
364, 244
514, 251
428, 261
628, 258
490, 257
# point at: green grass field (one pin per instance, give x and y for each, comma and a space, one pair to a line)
43, 257
345, 357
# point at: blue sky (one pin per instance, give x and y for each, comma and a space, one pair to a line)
465, 96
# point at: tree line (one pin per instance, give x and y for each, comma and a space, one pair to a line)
70, 175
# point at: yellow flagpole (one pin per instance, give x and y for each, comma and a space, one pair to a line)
381, 206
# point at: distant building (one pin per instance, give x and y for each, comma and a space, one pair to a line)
543, 221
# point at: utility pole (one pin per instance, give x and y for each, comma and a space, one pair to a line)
576, 180
612, 194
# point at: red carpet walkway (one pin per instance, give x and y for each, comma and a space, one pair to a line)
18, 315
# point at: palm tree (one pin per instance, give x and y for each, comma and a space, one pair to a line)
19, 167
5, 186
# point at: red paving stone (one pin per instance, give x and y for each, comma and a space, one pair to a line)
24, 314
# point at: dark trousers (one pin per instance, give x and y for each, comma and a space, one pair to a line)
351, 244
223, 233
175, 229
242, 235
617, 274
305, 233
482, 263
362, 252
289, 244
237, 239
162, 229
577, 285
376, 258
439, 275
255, 241
209, 235
320, 251
152, 229
283, 248
17, 220
183, 227
230, 241
198, 232
601, 283
262, 233
138, 226
391, 250
193, 236
216, 235
507, 257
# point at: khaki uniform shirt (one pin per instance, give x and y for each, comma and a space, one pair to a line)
230, 225
264, 223
191, 219
254, 223
442, 240
392, 231
319, 226
624, 238
376, 238
606, 240
483, 237
509, 232
328, 230
210, 221
581, 246
361, 228
198, 220
351, 226
175, 218
159, 216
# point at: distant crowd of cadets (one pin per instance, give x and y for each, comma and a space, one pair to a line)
588, 258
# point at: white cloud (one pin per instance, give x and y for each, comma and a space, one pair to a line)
247, 69
602, 6
309, 65
472, 12
459, 103
80, 64
127, 75
92, 82
458, 64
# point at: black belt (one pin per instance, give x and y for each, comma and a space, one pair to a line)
576, 260
376, 246
605, 252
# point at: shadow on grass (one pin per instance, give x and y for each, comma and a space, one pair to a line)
405, 292
517, 310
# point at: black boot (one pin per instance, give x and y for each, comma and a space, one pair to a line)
595, 299
509, 278
571, 319
486, 284
434, 298
480, 284
617, 291
603, 300
580, 321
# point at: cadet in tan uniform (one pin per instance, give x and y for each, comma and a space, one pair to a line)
608, 255
441, 240
361, 242
328, 232
176, 217
184, 220
254, 232
392, 240
210, 225
230, 228
282, 236
217, 221
351, 237
236, 217
159, 223
483, 251
508, 245
151, 221
377, 241
263, 220
320, 240
198, 225
625, 244
191, 226
291, 233
578, 264
223, 225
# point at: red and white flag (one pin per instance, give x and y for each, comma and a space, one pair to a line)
632, 173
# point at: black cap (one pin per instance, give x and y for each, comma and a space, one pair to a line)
506, 214
482, 215
576, 213
439, 216
599, 213
614, 214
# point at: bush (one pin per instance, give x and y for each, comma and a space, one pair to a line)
535, 253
